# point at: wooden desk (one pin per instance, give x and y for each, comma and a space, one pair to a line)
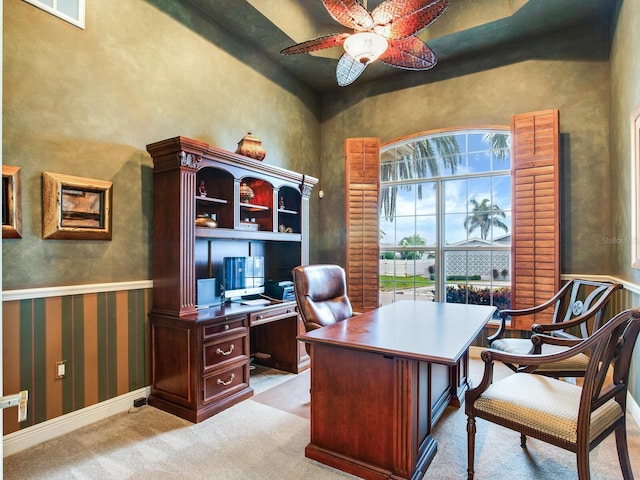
200, 362
380, 381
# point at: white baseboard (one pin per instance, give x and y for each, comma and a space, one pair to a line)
28, 437
633, 408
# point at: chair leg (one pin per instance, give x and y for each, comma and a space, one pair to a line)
623, 452
583, 462
471, 442
523, 441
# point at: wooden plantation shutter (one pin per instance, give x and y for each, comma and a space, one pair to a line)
536, 212
362, 184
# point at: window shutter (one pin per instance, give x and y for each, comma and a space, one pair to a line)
536, 212
362, 185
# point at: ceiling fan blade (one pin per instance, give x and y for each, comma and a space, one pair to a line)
349, 13
349, 69
319, 43
410, 53
397, 19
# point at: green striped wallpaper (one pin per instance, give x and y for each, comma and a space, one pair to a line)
625, 300
103, 337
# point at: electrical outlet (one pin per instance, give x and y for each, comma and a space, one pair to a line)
61, 369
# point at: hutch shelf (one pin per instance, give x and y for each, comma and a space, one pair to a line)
200, 357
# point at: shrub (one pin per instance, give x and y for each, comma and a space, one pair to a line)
500, 297
462, 278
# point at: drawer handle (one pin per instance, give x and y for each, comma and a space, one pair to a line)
226, 327
228, 382
260, 317
219, 351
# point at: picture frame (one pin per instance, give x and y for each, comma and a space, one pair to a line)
11, 211
635, 187
76, 208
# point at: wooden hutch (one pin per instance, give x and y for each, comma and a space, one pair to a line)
200, 358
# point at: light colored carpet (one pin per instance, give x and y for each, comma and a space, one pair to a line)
262, 439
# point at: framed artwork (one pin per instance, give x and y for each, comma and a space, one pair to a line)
75, 208
635, 187
11, 214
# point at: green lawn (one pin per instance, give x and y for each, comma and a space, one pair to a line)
387, 282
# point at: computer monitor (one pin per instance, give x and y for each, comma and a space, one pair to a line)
243, 276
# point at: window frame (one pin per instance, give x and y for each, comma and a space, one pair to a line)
53, 10
440, 248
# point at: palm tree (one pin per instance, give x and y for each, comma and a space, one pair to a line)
411, 241
484, 216
421, 163
500, 144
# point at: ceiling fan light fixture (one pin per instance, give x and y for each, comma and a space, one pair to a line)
365, 47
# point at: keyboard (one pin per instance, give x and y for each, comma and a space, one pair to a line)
257, 301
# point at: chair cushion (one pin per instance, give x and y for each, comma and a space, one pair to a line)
544, 404
522, 346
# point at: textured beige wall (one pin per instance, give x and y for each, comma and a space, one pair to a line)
87, 102
625, 97
569, 71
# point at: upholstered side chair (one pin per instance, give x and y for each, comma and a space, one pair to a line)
321, 295
576, 310
576, 418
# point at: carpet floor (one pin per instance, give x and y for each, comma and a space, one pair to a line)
264, 438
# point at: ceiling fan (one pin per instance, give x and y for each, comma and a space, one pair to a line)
387, 32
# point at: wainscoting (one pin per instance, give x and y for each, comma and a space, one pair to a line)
101, 334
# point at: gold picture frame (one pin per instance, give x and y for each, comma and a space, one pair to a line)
75, 208
11, 212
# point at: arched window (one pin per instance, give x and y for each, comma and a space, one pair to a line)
445, 217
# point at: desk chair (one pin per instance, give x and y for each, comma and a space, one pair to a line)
557, 412
321, 295
577, 310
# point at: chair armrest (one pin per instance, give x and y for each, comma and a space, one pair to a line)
574, 322
539, 339
575, 347
500, 332
514, 313
538, 308
521, 312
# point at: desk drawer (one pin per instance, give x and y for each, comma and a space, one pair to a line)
230, 325
225, 382
226, 350
271, 315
